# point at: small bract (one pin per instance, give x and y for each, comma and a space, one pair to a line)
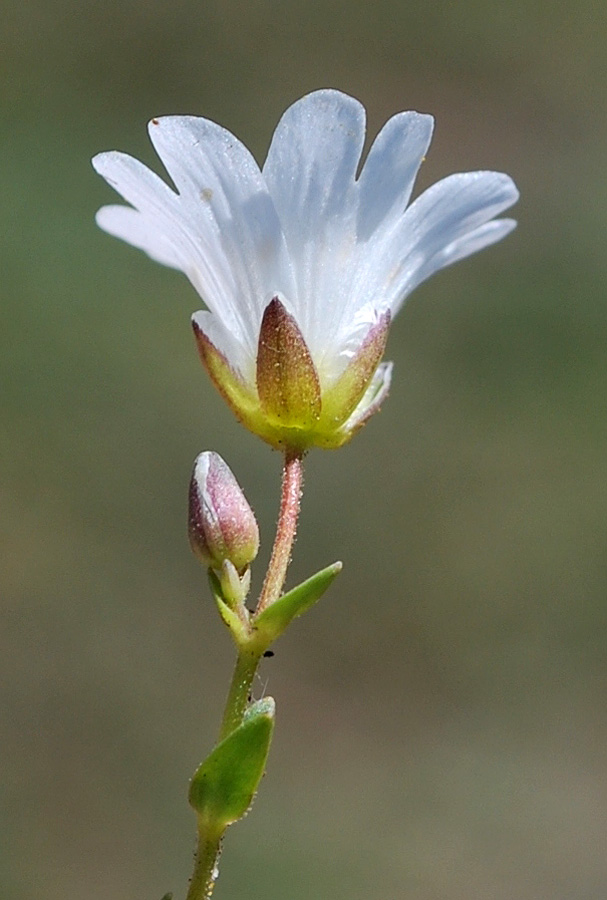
301, 264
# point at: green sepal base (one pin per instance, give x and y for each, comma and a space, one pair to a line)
224, 785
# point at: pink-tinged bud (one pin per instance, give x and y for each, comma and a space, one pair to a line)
222, 526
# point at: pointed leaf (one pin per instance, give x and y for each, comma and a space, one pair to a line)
224, 785
274, 619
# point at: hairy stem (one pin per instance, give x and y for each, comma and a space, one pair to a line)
240, 690
292, 479
205, 866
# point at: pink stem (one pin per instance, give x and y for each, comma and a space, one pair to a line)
292, 478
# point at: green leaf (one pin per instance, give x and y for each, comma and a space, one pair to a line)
274, 619
224, 785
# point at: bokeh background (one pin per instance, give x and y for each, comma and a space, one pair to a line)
442, 725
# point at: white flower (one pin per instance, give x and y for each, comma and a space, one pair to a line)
302, 264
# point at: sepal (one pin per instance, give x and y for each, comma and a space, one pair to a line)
236, 618
230, 384
273, 620
342, 398
286, 404
224, 785
287, 380
371, 402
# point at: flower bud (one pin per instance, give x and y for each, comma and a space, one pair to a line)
222, 525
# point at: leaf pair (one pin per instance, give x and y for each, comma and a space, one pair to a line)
266, 626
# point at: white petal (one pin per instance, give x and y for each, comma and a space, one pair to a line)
313, 157
444, 215
384, 188
139, 186
208, 270
134, 228
223, 193
389, 172
476, 240
310, 172
223, 236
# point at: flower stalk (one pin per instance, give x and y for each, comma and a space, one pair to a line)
292, 481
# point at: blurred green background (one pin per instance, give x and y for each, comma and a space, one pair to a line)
442, 726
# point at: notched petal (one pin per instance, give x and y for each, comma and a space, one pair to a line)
287, 380
344, 396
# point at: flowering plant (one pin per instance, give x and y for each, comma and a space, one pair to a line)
301, 266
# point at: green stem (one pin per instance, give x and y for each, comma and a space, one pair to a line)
205, 867
240, 690
209, 844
